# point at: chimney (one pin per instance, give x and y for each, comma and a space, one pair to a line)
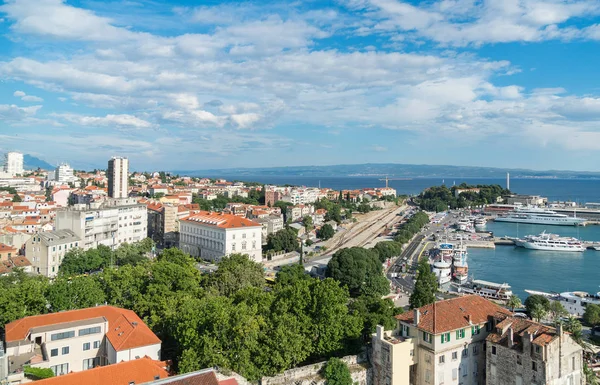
416, 317
379, 331
510, 337
469, 319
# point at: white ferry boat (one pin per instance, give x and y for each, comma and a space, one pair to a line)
574, 302
442, 271
480, 223
539, 216
550, 242
489, 290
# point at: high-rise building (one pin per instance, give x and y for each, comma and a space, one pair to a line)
63, 174
118, 176
13, 163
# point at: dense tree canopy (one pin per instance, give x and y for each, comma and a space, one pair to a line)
283, 240
592, 314
235, 273
425, 286
440, 198
325, 232
411, 227
534, 300
360, 270
386, 249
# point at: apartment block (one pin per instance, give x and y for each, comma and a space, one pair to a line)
46, 250
78, 340
441, 343
109, 223
520, 351
118, 177
13, 163
210, 236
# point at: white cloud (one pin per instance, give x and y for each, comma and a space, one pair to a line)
27, 98
122, 120
19, 94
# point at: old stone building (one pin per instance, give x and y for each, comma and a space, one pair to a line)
523, 352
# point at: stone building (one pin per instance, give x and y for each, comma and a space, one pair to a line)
521, 351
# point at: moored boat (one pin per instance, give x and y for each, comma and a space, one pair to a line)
550, 242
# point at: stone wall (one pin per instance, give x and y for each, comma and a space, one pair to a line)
359, 367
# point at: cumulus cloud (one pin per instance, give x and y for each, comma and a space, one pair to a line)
27, 98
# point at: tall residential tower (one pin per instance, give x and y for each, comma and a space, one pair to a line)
118, 176
13, 163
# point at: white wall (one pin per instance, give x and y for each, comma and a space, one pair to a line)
152, 351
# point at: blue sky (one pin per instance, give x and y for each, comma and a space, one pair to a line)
195, 85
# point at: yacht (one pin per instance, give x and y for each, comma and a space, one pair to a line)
485, 289
539, 216
574, 302
441, 269
550, 242
480, 223
460, 265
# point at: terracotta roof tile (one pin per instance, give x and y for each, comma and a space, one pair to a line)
6, 248
220, 220
124, 373
20, 261
126, 329
452, 314
541, 334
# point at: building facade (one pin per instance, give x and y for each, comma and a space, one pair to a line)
63, 174
210, 236
78, 340
109, 223
520, 351
46, 250
441, 343
13, 163
118, 177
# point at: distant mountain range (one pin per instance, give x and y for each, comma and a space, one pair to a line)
30, 162
393, 171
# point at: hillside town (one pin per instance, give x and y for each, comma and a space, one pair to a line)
121, 277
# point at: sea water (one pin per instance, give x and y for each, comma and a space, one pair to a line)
534, 269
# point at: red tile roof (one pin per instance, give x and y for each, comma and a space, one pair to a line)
455, 313
126, 329
220, 220
542, 334
20, 261
124, 373
6, 248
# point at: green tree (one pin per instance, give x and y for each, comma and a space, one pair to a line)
283, 240
290, 274
425, 286
16, 198
74, 293
336, 372
538, 312
325, 232
37, 373
556, 310
592, 314
534, 300
21, 295
386, 249
360, 270
237, 272
307, 222
373, 311
590, 376
514, 302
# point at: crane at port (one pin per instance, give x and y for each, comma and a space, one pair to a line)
388, 179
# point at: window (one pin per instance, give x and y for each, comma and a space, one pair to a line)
243, 245
454, 356
427, 337
460, 334
96, 344
572, 363
464, 369
233, 236
442, 359
65, 350
244, 236
534, 366
63, 335
465, 352
91, 363
440, 377
489, 326
493, 370
445, 337
412, 352
233, 246
53, 352
493, 350
475, 330
475, 350
405, 330
519, 362
94, 330
59, 370
454, 374
537, 349
86, 346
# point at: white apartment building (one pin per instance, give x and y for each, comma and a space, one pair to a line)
46, 250
110, 223
299, 196
441, 343
63, 174
77, 340
520, 351
211, 236
118, 177
13, 163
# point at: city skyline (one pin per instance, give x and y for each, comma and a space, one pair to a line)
177, 86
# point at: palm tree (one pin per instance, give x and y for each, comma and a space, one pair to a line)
538, 312
514, 302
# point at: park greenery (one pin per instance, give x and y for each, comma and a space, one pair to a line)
228, 318
360, 270
425, 286
442, 198
325, 232
284, 240
411, 227
336, 372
